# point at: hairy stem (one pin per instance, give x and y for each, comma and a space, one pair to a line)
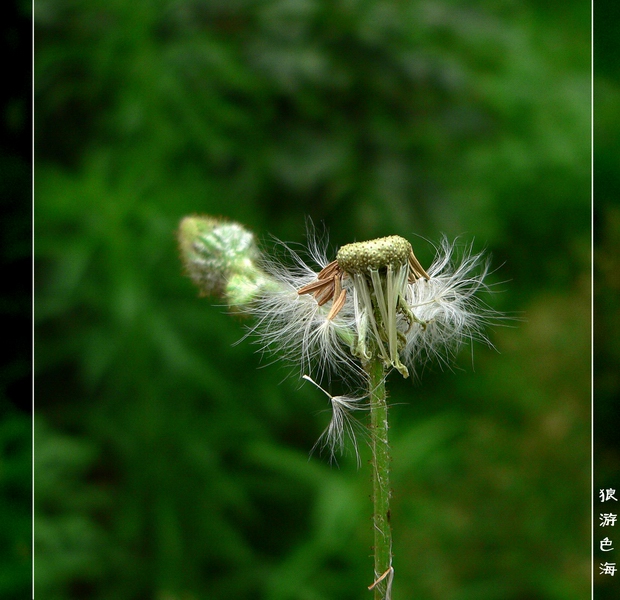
381, 479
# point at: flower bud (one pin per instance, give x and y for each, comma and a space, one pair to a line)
221, 259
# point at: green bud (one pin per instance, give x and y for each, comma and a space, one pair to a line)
220, 257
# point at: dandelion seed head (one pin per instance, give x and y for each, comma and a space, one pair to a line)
362, 257
380, 270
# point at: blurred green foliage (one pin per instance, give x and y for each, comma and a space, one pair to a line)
169, 466
606, 356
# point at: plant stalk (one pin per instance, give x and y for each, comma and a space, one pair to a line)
380, 479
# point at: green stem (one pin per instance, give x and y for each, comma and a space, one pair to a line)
380, 477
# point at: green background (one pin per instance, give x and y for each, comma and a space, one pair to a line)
172, 463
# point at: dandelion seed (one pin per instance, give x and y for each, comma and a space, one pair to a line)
342, 424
